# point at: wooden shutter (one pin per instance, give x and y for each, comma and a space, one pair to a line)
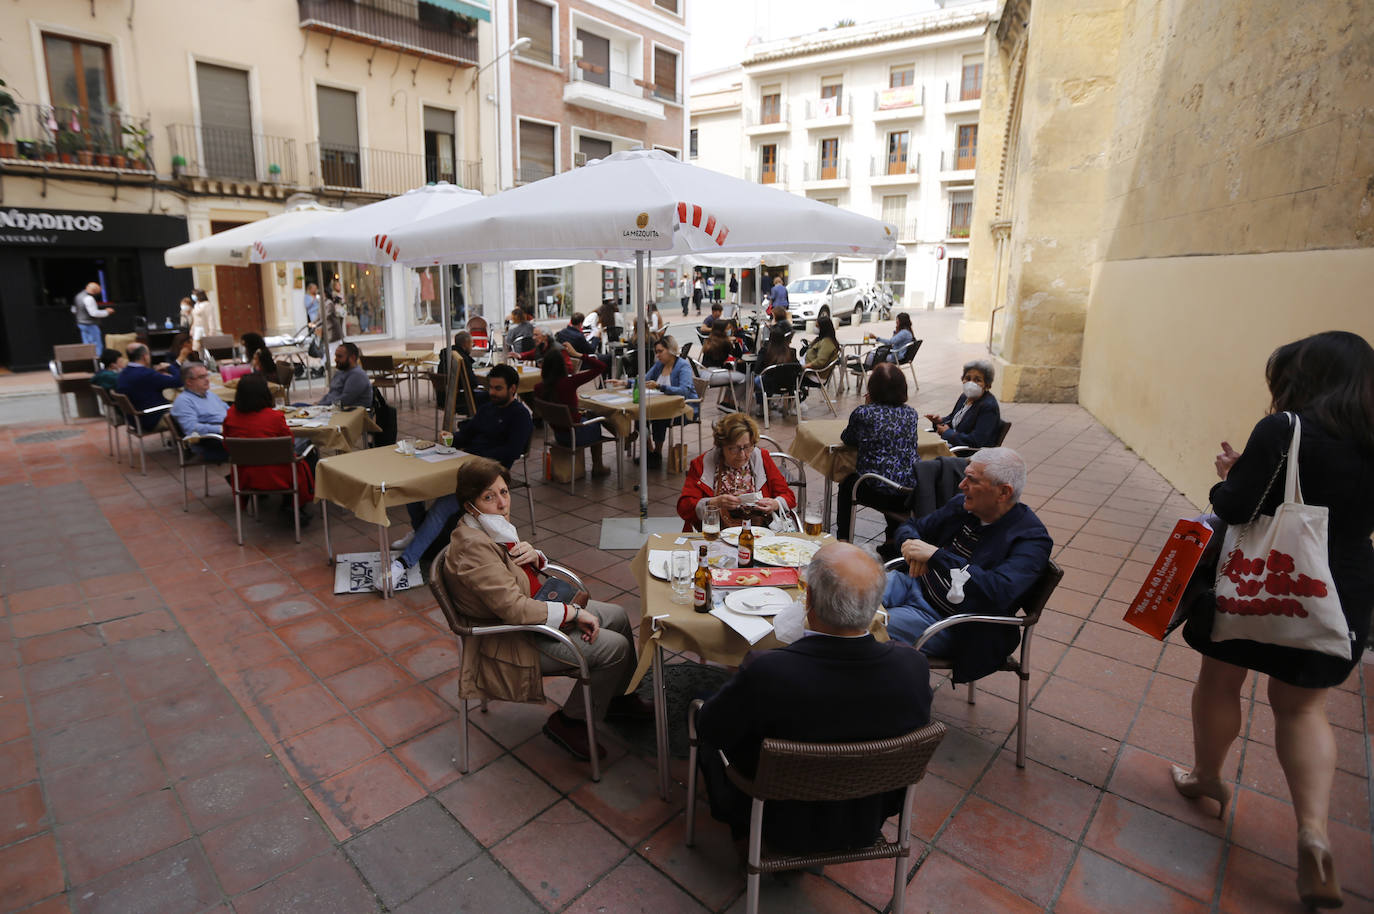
226, 121
535, 22
536, 151
665, 74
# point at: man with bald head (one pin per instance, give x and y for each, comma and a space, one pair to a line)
836, 684
89, 314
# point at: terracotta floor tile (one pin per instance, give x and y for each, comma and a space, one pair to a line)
63, 672
300, 709
634, 887
1047, 797
1160, 847
1267, 827
411, 851
115, 779
944, 885
553, 763
17, 763
205, 747
368, 612
394, 636
1256, 885
47, 621
397, 717
1091, 709
326, 884
363, 795
481, 884
310, 631
1098, 885
996, 841
59, 644
25, 601
259, 847
109, 840
144, 623
239, 788
23, 813
29, 871
710, 869
536, 854
1073, 750
298, 606
1170, 694
510, 723
626, 799
333, 657
259, 683
362, 685
432, 658
172, 881
250, 650
496, 800
202, 705
1144, 778
432, 758
327, 750
1128, 646
961, 757
89, 698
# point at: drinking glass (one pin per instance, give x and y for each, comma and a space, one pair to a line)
680, 573
710, 524
814, 520
408, 446
446, 438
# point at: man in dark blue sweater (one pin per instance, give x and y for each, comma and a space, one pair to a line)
143, 384
574, 336
977, 554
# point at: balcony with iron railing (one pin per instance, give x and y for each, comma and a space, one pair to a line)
834, 111
775, 175
826, 172
770, 117
958, 164
378, 172
899, 102
232, 154
602, 89
76, 138
906, 230
963, 95
417, 28
895, 169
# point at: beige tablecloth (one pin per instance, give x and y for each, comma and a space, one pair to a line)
818, 445
343, 433
368, 482
622, 418
681, 628
408, 358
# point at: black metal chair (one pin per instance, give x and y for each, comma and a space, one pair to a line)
381, 370
259, 452
463, 627
824, 773
1031, 604
907, 356
781, 382
793, 470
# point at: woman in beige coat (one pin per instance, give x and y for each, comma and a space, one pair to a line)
490, 576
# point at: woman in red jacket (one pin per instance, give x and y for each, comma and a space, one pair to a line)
735, 467
252, 416
558, 386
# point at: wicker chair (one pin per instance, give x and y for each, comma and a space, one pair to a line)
824, 772
133, 425
465, 628
1030, 605
260, 452
189, 458
72, 368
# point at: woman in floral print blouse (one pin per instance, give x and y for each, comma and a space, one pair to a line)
885, 431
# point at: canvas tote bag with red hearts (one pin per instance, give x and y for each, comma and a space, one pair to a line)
1273, 583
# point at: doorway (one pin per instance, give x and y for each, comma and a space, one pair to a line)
958, 272
238, 291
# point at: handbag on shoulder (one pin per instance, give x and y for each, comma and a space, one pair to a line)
1274, 584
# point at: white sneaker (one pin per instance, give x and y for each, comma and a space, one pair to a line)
398, 573
404, 541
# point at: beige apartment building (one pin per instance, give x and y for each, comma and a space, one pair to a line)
580, 80
1166, 192
138, 127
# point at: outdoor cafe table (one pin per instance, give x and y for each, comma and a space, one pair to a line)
343, 433
666, 625
858, 347
622, 413
370, 481
818, 445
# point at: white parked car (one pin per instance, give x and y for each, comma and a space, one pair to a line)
811, 297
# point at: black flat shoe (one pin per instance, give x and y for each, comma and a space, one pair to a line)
571, 735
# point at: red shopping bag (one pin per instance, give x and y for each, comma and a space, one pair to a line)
1155, 609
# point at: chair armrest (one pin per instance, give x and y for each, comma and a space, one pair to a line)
568, 573
693, 710
963, 450
195, 438
303, 454
854, 492
960, 619
154, 409
542, 629
588, 423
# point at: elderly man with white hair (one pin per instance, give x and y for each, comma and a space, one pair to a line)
837, 684
977, 554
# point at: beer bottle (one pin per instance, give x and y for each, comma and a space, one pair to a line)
746, 545
701, 584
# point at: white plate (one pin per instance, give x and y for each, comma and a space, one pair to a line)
758, 601
440, 449
804, 550
731, 535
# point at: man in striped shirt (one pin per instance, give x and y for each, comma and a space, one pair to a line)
977, 554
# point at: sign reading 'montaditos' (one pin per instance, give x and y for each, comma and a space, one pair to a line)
24, 227
37, 220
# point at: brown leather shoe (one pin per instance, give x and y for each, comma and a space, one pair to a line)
630, 707
571, 735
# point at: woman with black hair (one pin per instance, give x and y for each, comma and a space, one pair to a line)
264, 364
1327, 381
252, 416
251, 343
558, 386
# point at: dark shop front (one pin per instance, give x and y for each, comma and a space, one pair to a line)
48, 256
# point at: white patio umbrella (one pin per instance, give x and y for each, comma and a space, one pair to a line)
631, 205
234, 248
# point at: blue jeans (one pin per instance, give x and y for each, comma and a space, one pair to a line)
428, 525
909, 614
90, 334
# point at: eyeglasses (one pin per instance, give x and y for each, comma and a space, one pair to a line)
738, 448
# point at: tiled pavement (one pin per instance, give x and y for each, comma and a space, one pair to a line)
186, 725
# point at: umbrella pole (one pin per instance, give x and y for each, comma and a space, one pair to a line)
326, 291
641, 336
451, 369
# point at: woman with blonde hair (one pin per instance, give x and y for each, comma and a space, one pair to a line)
736, 476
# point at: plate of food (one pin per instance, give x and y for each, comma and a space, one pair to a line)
758, 601
301, 414
731, 535
423, 444
785, 551
754, 577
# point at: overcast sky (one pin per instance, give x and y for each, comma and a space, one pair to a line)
722, 28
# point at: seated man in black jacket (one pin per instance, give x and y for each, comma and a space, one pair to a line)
575, 336
837, 684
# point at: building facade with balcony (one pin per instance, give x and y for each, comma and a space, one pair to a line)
580, 80
880, 118
132, 114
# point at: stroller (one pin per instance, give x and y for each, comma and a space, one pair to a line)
303, 338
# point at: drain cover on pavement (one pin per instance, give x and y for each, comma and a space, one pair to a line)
56, 434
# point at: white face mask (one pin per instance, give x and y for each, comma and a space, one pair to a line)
498, 528
973, 390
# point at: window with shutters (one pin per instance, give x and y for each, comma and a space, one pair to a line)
971, 81
537, 151
665, 74
226, 121
832, 92
901, 75
595, 62
960, 213
830, 158
339, 148
898, 152
770, 105
440, 144
534, 20
80, 74
966, 151
593, 147
894, 211
692, 143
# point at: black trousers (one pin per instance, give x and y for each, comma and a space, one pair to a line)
871, 495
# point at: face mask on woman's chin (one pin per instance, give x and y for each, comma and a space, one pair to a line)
973, 390
497, 527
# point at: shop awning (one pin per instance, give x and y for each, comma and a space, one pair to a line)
475, 9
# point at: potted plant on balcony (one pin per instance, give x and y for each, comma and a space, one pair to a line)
100, 144
68, 143
274, 172
136, 149
178, 165
8, 109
